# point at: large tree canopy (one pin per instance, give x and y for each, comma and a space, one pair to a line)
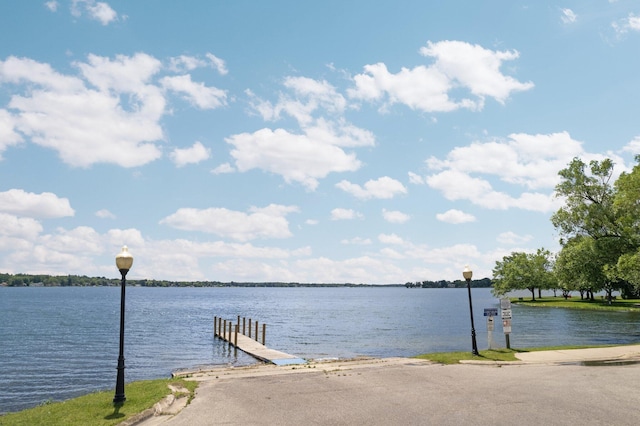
599, 227
523, 271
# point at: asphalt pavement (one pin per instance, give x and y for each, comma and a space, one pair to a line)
586, 386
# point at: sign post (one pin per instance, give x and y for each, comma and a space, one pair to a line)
505, 306
490, 313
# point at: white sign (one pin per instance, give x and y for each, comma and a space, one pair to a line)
506, 314
506, 326
505, 303
489, 323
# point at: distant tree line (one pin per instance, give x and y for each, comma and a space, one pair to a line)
485, 282
27, 280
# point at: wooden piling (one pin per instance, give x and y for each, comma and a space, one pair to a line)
235, 339
264, 331
249, 335
256, 331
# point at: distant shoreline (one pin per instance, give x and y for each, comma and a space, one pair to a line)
29, 280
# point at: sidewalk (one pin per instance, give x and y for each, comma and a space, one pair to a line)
612, 354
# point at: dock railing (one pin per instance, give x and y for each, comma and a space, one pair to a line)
228, 331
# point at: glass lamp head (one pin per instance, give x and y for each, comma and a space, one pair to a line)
124, 259
467, 273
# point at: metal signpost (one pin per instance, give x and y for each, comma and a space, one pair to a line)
505, 306
490, 313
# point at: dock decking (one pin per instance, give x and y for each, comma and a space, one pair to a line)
254, 348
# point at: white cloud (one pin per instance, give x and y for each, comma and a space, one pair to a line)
19, 227
8, 135
384, 187
99, 11
416, 179
455, 216
87, 126
51, 5
444, 255
632, 147
296, 157
105, 214
390, 239
313, 152
630, 23
390, 253
344, 214
218, 64
429, 88
193, 155
512, 238
568, 16
266, 222
43, 205
395, 216
308, 97
196, 93
184, 63
357, 241
223, 168
523, 161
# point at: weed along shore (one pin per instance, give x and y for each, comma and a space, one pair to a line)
240, 338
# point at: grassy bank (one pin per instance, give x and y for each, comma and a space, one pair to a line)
97, 409
576, 303
494, 354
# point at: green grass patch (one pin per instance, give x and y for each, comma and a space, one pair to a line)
97, 408
497, 354
456, 357
598, 304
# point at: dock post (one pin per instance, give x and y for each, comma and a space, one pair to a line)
256, 331
224, 330
244, 331
215, 322
264, 331
249, 335
235, 340
230, 341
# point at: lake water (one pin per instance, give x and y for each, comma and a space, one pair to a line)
58, 343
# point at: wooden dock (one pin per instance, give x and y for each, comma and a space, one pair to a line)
251, 346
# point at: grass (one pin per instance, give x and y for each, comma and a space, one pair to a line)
456, 357
494, 354
97, 409
577, 303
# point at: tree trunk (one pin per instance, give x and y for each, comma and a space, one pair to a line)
533, 293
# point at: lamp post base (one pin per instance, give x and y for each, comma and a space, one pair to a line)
120, 397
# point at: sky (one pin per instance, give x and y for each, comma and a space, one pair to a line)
342, 141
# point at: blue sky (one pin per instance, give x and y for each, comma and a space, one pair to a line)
336, 141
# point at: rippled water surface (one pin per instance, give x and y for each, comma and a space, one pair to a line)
57, 343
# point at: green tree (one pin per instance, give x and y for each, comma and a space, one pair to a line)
524, 271
599, 225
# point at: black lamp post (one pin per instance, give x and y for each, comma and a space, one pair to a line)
124, 260
467, 274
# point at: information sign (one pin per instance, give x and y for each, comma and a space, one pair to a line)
491, 312
506, 314
505, 303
